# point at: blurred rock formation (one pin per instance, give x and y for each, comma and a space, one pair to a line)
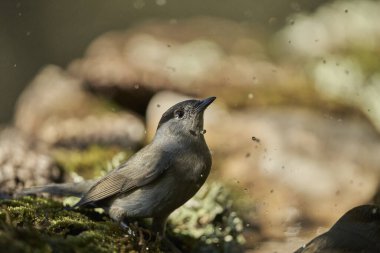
56, 109
198, 56
24, 164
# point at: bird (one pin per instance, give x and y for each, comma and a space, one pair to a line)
157, 179
357, 231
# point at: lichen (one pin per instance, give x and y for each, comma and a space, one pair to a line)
208, 222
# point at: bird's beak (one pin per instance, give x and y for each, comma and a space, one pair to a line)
203, 104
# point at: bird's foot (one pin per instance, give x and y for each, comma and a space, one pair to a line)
127, 228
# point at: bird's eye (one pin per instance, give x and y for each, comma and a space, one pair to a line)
178, 114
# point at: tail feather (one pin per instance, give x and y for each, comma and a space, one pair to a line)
66, 189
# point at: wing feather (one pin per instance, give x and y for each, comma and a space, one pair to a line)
139, 170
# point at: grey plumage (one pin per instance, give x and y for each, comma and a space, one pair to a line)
159, 178
72, 189
358, 230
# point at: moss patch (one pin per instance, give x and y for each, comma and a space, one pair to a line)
91, 162
205, 224
43, 225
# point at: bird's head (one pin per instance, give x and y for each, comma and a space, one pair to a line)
184, 118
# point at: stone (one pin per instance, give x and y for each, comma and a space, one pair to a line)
230, 62
24, 164
57, 109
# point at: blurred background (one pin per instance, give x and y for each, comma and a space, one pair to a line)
295, 129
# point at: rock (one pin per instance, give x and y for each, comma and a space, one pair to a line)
197, 56
301, 165
43, 225
56, 109
358, 230
23, 164
30, 224
341, 65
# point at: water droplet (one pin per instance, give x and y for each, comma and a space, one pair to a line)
203, 131
255, 139
201, 175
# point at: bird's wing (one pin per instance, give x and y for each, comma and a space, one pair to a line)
138, 171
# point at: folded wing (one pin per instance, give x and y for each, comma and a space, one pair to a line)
141, 169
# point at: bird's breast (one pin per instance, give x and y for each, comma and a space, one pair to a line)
193, 166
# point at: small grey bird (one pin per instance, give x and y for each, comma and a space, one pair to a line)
157, 179
356, 231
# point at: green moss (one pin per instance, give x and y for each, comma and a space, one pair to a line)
91, 162
43, 225
206, 223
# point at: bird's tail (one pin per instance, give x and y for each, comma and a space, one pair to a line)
66, 189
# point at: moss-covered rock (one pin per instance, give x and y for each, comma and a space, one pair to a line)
43, 225
205, 224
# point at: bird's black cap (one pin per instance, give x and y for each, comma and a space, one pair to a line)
197, 106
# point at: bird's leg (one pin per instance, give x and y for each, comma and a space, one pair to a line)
159, 227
